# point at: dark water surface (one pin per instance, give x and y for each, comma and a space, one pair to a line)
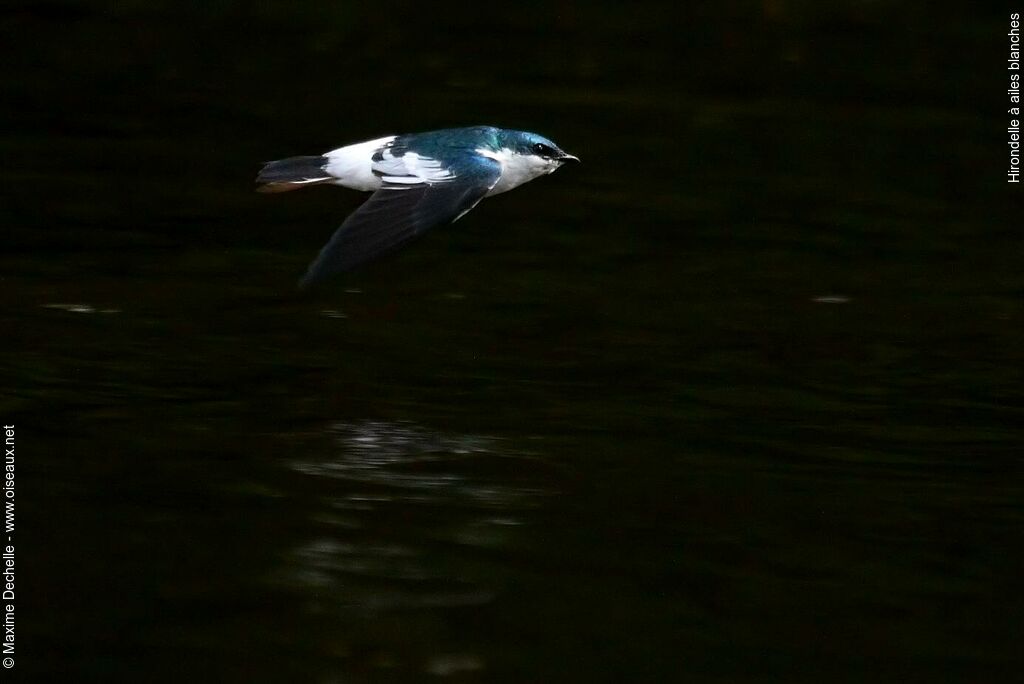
738, 399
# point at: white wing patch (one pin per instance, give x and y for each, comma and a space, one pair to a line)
411, 169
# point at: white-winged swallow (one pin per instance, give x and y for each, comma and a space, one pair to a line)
418, 180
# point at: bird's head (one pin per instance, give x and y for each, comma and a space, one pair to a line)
542, 155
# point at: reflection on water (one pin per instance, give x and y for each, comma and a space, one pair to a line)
80, 308
404, 461
438, 485
395, 577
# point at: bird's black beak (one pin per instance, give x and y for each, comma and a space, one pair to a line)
565, 157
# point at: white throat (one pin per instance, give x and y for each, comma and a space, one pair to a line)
517, 169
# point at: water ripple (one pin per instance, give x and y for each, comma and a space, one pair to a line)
407, 506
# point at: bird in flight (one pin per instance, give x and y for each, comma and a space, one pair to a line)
418, 180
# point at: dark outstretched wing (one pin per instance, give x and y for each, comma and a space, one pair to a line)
400, 211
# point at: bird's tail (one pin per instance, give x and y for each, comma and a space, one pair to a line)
292, 174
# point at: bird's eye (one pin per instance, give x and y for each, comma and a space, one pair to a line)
543, 150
